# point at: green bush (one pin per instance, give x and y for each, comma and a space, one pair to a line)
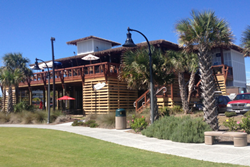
176, 109
138, 124
245, 125
231, 124
23, 106
77, 123
181, 129
165, 111
91, 123
247, 114
230, 114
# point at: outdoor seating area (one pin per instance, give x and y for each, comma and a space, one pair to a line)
239, 138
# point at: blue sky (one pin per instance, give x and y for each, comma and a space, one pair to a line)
26, 26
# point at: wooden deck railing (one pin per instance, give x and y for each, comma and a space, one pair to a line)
144, 99
224, 70
75, 73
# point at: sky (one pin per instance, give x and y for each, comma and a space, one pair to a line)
26, 26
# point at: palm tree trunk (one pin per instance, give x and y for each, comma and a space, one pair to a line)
10, 102
191, 85
156, 114
208, 89
3, 99
17, 93
183, 92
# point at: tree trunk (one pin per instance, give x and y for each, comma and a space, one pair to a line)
10, 102
208, 89
17, 93
3, 99
191, 85
156, 114
183, 92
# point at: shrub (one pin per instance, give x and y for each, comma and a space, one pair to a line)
23, 106
231, 124
77, 123
230, 114
91, 123
40, 116
28, 117
62, 118
54, 115
190, 131
138, 124
165, 111
16, 118
4, 117
181, 129
247, 114
176, 109
91, 117
245, 125
106, 120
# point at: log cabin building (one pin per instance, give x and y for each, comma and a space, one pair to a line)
76, 78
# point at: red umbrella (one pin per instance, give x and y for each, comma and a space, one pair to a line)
66, 98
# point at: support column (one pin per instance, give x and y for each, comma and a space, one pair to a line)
57, 102
75, 96
64, 94
44, 98
30, 96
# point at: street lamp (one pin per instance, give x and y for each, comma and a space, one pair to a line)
36, 67
129, 43
53, 70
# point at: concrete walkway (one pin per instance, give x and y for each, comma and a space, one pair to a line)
222, 153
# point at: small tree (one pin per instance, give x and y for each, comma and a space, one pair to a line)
135, 70
184, 62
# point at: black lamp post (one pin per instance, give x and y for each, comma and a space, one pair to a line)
53, 70
129, 43
36, 67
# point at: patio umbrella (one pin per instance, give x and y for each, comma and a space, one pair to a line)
66, 98
90, 57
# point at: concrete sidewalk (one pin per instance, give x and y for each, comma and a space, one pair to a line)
222, 153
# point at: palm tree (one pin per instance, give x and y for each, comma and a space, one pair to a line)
204, 30
135, 71
192, 67
14, 61
245, 40
183, 62
8, 79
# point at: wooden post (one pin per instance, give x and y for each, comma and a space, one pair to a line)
57, 102
30, 96
172, 92
45, 100
74, 91
64, 94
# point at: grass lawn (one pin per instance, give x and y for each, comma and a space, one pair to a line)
41, 147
